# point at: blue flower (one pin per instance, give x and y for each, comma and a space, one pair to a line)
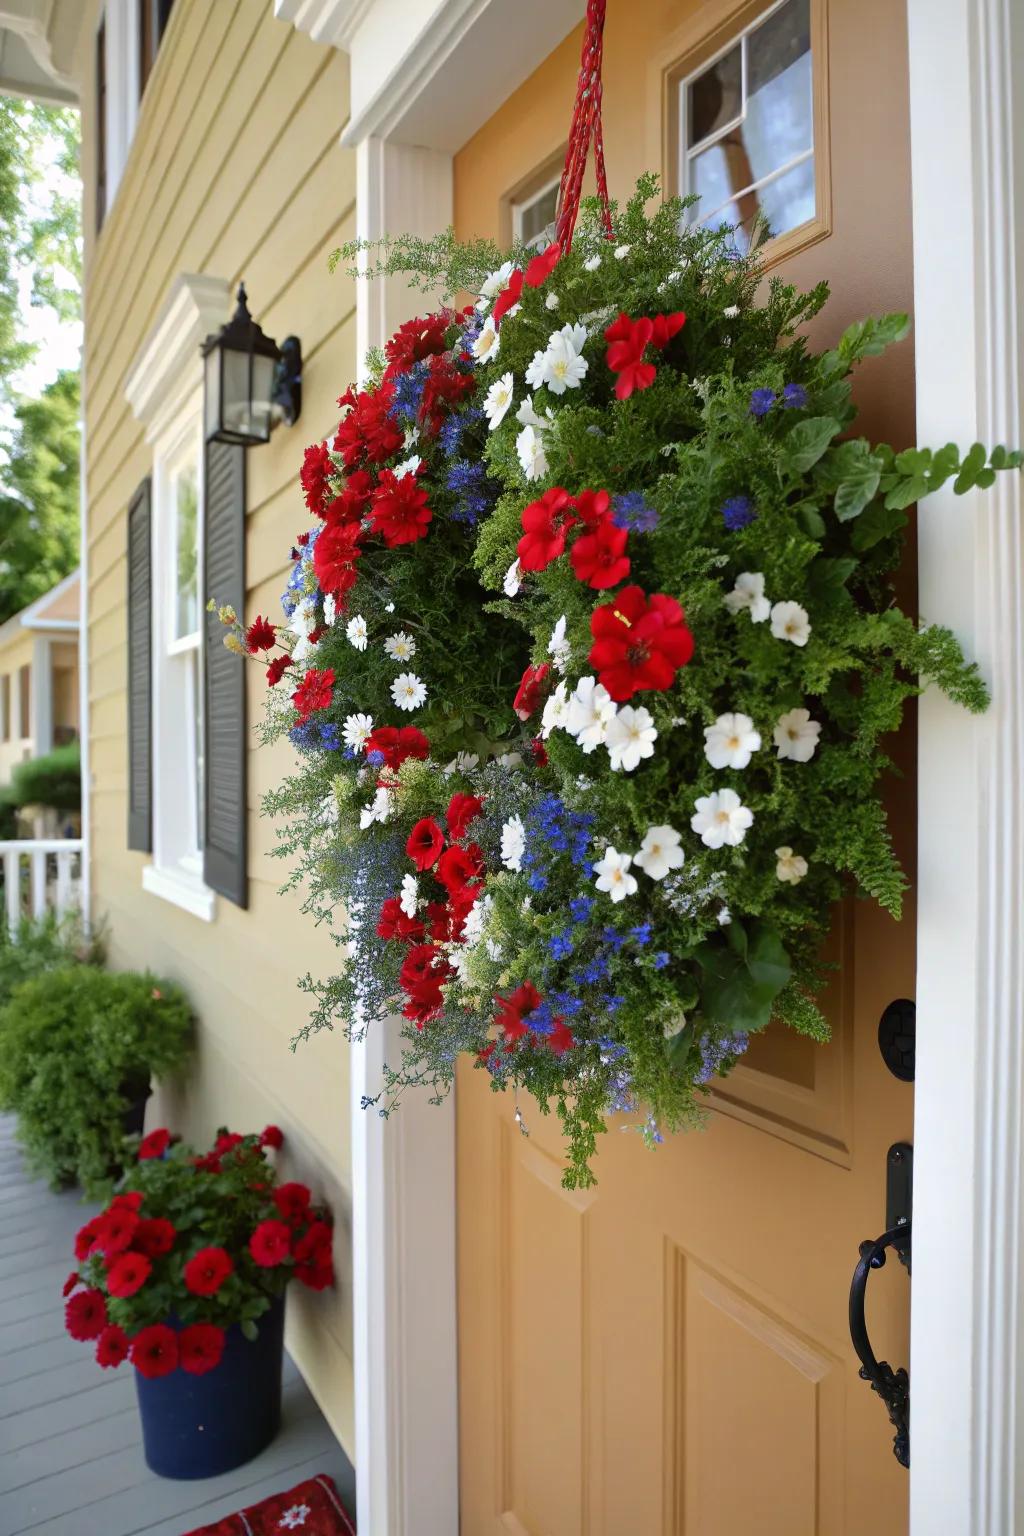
408, 392
566, 1004
310, 734
642, 933
630, 510
375, 758
737, 512
661, 959
612, 1004
614, 940
761, 402
560, 946
537, 881
715, 1054
794, 397
581, 907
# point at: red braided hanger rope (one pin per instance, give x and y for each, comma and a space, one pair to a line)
586, 125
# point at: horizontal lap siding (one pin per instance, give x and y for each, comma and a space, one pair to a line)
236, 171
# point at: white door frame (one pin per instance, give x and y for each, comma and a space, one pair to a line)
425, 75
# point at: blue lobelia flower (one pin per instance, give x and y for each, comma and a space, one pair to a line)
794, 397
738, 512
630, 510
761, 402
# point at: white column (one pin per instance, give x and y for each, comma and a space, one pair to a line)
41, 695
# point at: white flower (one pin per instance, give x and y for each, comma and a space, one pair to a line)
731, 311
513, 844
527, 416
571, 335
556, 712
410, 437
493, 949
613, 875
592, 263
622, 251
551, 302
493, 284
536, 369
564, 365
796, 735
485, 347
749, 593
590, 709
724, 917
558, 646
475, 920
790, 622
302, 624
513, 579
389, 607
509, 760
400, 647
410, 895
791, 868
497, 400
673, 1026
294, 1518
721, 818
659, 852
462, 762
407, 691
630, 736
530, 448
379, 809
330, 609
355, 629
408, 466
356, 730
731, 741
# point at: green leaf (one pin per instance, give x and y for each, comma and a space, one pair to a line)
877, 523
826, 578
986, 478
249, 1330
807, 442
905, 493
813, 522
914, 461
742, 977
970, 469
858, 487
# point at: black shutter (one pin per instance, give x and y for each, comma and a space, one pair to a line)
140, 672
225, 733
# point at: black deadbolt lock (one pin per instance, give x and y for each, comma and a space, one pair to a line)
896, 1037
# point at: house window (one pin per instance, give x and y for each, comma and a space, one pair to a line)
533, 219
153, 16
101, 123
746, 128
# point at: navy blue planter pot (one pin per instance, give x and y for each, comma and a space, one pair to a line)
200, 1426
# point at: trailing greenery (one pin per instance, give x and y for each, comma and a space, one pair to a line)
54, 779
48, 943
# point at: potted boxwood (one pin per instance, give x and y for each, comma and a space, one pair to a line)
184, 1275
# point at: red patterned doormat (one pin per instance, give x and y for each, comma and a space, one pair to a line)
311, 1509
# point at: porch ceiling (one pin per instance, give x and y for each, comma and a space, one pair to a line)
38, 39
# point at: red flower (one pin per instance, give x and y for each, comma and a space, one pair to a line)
209, 1163
128, 1274
400, 512
116, 1230
600, 558
423, 967
227, 1141
112, 1347
424, 843
207, 1270
561, 1038
154, 1351
666, 326
154, 1237
444, 922
317, 1276
424, 1004
507, 298
417, 339
530, 690
539, 751
130, 1199
86, 1238
445, 386
393, 923
270, 1244
542, 266
260, 635
85, 1315
292, 1201
545, 524
593, 507
334, 557
639, 642
368, 432
515, 1009
154, 1145
462, 809
458, 866
352, 500
272, 1136
627, 340
70, 1283
200, 1347
396, 744
314, 692
277, 669
314, 475
314, 1243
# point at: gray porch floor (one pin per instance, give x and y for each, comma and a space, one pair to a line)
70, 1454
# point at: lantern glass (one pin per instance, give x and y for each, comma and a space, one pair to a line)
239, 363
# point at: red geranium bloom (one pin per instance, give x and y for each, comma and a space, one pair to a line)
200, 1347
442, 922
530, 690
292, 1201
352, 500
368, 432
397, 743
154, 1351
207, 1270
270, 1244
424, 1004
425, 843
70, 1283
664, 327
86, 1238
515, 1009
316, 1276
459, 865
627, 340
334, 557
116, 1230
272, 1136
317, 468
154, 1237
112, 1347
277, 669
542, 265
314, 692
314, 1242
154, 1145
507, 298
129, 1199
209, 1163
593, 507
417, 339
545, 524
128, 1274
600, 558
462, 809
400, 512
423, 966
561, 1038
85, 1315
393, 923
227, 1141
445, 386
639, 642
260, 635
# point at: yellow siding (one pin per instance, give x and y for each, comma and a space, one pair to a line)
236, 171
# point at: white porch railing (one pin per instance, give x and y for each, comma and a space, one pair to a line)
39, 875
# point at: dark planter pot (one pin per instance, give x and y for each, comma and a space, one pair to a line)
201, 1426
134, 1117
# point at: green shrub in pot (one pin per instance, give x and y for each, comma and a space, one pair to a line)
47, 943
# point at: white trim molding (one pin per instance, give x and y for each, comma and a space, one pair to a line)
167, 367
967, 1379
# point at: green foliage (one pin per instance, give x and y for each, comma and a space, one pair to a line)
55, 779
48, 943
77, 1046
39, 495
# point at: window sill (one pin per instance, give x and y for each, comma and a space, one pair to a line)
183, 887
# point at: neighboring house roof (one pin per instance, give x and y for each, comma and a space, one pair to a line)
55, 612
37, 42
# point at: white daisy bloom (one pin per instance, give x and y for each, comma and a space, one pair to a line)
410, 895
302, 624
513, 844
630, 736
497, 400
731, 311
400, 647
493, 284
556, 712
592, 263
356, 731
791, 868
330, 609
379, 809
796, 736
613, 876
790, 622
528, 417
660, 852
462, 762
356, 631
410, 437
721, 819
408, 466
591, 707
510, 760
571, 335
485, 347
530, 448
513, 579
731, 741
551, 302
748, 593
622, 251
536, 369
558, 646
408, 692
564, 366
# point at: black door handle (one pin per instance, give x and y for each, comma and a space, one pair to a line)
893, 1387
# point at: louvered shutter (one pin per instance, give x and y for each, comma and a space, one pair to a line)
224, 713
140, 671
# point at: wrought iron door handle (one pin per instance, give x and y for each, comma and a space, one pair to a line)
893, 1387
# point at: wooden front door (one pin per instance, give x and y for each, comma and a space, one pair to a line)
668, 1354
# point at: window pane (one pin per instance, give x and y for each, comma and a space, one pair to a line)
779, 121
788, 201
715, 97
537, 218
777, 44
186, 507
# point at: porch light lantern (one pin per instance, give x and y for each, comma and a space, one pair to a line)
251, 382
